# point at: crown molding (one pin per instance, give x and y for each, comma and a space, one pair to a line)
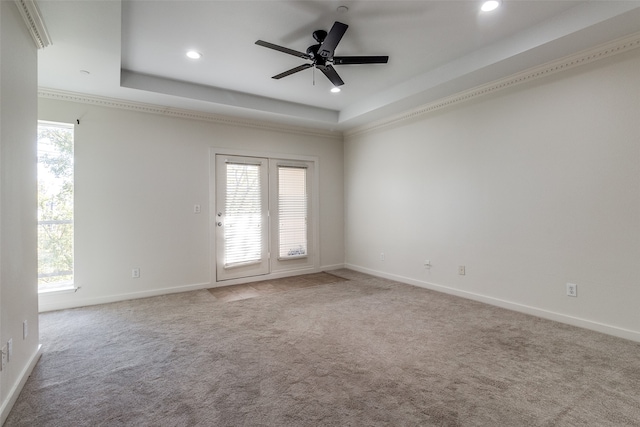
585, 57
35, 24
182, 113
582, 58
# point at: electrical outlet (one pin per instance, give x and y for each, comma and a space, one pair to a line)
572, 290
25, 330
135, 273
4, 357
461, 270
9, 349
381, 256
196, 209
427, 263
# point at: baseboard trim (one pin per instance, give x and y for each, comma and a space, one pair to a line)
7, 405
53, 302
277, 275
332, 267
509, 305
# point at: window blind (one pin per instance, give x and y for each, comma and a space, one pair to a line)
292, 211
243, 215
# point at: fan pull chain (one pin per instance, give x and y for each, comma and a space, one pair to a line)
313, 74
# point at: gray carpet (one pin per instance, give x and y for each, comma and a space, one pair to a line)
363, 352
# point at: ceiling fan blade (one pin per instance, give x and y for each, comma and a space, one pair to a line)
333, 38
292, 71
331, 74
283, 49
346, 60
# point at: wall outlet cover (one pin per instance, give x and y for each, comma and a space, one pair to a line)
4, 357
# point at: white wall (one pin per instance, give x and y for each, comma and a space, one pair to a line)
138, 176
529, 188
18, 116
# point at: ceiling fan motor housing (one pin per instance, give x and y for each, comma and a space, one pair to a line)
319, 35
312, 51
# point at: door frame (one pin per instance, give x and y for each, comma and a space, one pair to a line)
314, 210
223, 222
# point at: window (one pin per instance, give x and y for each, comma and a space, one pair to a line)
243, 226
55, 206
292, 211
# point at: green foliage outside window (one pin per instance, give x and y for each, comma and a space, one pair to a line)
55, 205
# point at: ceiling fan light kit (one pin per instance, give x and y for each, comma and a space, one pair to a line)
322, 56
193, 54
490, 5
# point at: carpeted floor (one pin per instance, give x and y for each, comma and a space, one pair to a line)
358, 352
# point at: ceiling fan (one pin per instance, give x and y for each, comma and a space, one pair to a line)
321, 54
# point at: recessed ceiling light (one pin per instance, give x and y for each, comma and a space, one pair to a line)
342, 9
490, 5
194, 55
85, 72
335, 89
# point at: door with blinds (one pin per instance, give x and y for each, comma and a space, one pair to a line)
262, 216
242, 222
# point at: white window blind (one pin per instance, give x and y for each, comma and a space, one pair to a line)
292, 211
243, 216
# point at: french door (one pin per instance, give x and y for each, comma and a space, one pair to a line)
262, 216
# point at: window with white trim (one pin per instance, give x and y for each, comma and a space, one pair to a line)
55, 148
292, 212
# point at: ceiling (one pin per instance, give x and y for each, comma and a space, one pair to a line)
135, 51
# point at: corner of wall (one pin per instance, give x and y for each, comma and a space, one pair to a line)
13, 394
18, 117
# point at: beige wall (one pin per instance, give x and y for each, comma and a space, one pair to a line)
138, 176
529, 188
18, 116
